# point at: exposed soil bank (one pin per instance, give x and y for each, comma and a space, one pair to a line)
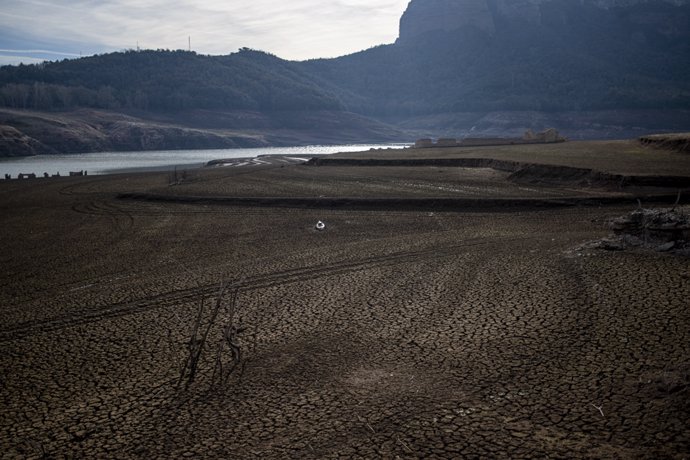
678, 142
29, 132
524, 172
402, 204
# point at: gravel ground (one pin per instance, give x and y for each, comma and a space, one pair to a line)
390, 334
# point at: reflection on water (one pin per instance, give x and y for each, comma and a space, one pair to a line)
109, 162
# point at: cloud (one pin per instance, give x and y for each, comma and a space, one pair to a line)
32, 56
48, 52
17, 47
16, 60
298, 29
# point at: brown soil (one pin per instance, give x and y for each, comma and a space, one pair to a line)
461, 332
628, 157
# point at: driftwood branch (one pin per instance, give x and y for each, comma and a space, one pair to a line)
228, 343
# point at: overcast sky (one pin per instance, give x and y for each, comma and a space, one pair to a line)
34, 30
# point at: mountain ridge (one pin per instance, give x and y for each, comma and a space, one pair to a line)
422, 16
581, 57
463, 64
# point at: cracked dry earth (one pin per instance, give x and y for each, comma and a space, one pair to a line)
388, 335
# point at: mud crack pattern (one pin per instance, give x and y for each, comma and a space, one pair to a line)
389, 335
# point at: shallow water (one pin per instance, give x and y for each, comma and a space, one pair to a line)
162, 160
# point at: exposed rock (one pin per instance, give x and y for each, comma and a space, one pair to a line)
608, 244
632, 241
623, 3
666, 247
424, 16
679, 141
139, 136
25, 132
657, 226
14, 143
523, 10
662, 230
548, 135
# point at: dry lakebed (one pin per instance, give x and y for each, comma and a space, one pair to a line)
457, 303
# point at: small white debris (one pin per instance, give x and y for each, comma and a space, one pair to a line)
320, 226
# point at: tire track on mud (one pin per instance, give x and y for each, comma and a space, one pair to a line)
71, 189
104, 208
144, 209
251, 283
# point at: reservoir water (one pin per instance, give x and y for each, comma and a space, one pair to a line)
163, 160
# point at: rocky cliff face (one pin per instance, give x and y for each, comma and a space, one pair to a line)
523, 10
424, 16
624, 3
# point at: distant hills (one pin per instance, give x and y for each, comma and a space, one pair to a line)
164, 81
592, 68
152, 100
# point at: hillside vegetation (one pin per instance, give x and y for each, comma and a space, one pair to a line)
162, 81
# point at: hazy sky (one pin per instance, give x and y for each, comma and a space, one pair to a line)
292, 29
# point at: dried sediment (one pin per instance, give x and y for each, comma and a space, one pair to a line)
521, 171
390, 333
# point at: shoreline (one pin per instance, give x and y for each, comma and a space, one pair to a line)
102, 162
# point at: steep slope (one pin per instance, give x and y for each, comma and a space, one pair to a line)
550, 55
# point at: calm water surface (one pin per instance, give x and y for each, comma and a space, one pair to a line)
113, 162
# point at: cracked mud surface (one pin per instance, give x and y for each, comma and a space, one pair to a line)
390, 334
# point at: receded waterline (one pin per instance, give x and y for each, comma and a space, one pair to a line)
160, 160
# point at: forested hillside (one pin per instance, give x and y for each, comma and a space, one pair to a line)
164, 80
